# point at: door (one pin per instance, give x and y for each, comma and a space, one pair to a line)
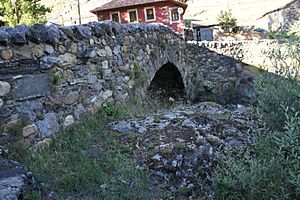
206, 34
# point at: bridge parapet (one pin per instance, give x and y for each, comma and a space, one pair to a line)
51, 76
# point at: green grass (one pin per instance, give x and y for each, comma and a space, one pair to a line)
89, 160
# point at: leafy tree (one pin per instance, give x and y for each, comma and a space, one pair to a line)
14, 12
226, 19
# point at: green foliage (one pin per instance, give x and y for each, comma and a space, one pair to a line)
28, 12
275, 95
55, 79
280, 91
272, 171
40, 117
111, 110
139, 75
226, 19
136, 69
33, 196
89, 161
289, 37
184, 190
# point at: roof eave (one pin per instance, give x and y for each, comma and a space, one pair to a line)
184, 5
173, 1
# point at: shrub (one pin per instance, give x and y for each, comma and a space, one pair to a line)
272, 171
280, 91
276, 96
226, 19
111, 110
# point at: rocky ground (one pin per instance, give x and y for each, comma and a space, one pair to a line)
15, 181
180, 147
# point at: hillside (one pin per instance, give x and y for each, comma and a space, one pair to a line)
67, 10
247, 12
203, 11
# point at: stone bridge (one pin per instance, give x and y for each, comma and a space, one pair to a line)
51, 76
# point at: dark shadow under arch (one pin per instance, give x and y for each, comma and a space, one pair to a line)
167, 82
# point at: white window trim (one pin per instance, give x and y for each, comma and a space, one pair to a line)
137, 15
170, 13
154, 12
111, 13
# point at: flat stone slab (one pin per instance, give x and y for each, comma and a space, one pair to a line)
32, 85
15, 180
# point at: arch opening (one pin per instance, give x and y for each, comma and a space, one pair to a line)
167, 83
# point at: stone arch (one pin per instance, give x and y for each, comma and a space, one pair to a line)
167, 82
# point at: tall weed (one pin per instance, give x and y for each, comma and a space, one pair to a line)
272, 171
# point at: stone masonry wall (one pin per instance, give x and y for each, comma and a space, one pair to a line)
51, 76
252, 52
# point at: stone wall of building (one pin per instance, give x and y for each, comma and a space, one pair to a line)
51, 76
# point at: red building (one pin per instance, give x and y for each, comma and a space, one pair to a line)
168, 12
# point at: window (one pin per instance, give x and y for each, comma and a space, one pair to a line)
100, 17
132, 16
174, 14
115, 17
150, 14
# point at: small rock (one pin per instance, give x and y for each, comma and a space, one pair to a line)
104, 186
108, 51
38, 51
101, 52
90, 53
74, 48
18, 38
71, 98
92, 79
157, 157
238, 68
92, 41
82, 32
188, 123
79, 111
44, 143
61, 48
48, 62
174, 163
69, 121
107, 94
4, 88
1, 103
49, 125
121, 127
117, 50
4, 37
67, 59
142, 129
13, 125
49, 49
7, 54
105, 64
29, 130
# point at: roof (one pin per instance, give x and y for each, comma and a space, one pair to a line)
247, 12
130, 3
